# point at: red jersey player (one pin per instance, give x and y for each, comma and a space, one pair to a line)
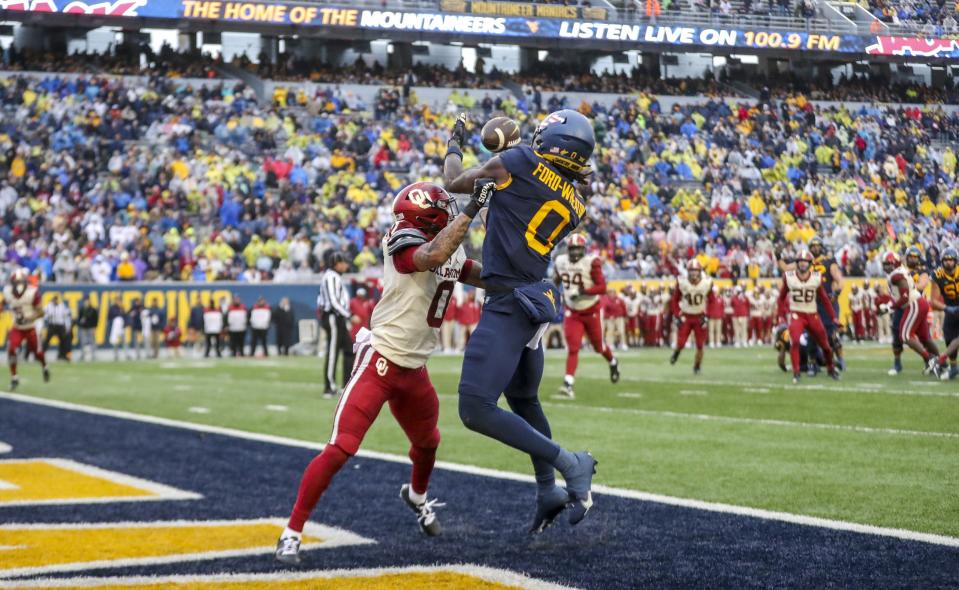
583, 283
801, 287
423, 261
23, 301
914, 326
692, 294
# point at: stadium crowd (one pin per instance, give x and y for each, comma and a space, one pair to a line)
171, 181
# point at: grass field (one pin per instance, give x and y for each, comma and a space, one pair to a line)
870, 449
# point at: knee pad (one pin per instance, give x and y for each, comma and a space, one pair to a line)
426, 451
337, 454
897, 348
427, 443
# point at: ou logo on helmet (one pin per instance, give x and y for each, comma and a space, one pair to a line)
420, 198
381, 366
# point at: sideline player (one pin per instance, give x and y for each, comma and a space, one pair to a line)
692, 294
423, 261
23, 301
913, 328
945, 297
583, 283
801, 288
536, 207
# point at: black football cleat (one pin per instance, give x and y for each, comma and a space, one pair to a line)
796, 378
578, 484
46, 375
548, 506
674, 357
288, 550
614, 371
328, 394
834, 373
14, 383
697, 370
424, 513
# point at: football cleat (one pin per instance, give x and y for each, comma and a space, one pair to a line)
614, 371
834, 373
548, 506
896, 368
328, 394
795, 378
578, 483
674, 357
566, 390
288, 550
697, 370
424, 512
46, 375
932, 367
14, 383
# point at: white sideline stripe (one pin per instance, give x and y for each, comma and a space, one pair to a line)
489, 574
159, 491
839, 525
330, 537
4, 447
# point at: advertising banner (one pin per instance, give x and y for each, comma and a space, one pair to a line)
487, 19
174, 299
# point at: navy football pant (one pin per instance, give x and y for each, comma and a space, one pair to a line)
950, 331
896, 336
498, 362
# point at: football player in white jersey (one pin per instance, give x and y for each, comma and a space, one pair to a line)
423, 262
23, 300
914, 326
797, 301
688, 305
583, 283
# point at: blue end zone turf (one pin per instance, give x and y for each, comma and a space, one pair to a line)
624, 544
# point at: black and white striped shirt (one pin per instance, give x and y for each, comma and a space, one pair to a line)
57, 314
333, 297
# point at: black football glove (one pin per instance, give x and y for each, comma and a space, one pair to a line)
458, 133
483, 189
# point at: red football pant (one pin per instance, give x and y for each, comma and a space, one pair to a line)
375, 381
808, 322
915, 321
694, 324
755, 328
15, 338
577, 323
857, 325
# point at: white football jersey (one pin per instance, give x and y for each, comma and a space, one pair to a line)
755, 304
23, 306
903, 273
633, 305
406, 321
770, 305
855, 301
576, 274
803, 293
692, 298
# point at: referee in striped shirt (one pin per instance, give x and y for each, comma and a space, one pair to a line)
333, 309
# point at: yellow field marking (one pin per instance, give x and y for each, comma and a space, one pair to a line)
42, 548
439, 577
60, 481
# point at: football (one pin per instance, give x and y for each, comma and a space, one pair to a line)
500, 133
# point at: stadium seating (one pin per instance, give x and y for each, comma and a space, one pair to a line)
179, 179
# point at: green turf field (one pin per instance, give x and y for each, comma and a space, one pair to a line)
870, 449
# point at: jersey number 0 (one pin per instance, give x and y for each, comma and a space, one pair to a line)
532, 228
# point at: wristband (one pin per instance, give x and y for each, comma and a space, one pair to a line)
452, 148
471, 209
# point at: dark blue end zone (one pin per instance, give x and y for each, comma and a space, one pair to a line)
623, 544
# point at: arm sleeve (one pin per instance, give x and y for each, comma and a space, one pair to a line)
783, 299
827, 304
903, 298
599, 280
674, 302
403, 260
466, 270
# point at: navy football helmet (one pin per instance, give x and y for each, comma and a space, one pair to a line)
565, 138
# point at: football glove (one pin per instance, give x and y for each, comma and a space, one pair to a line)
458, 133
952, 309
483, 189
884, 308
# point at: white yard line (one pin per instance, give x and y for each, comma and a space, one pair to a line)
800, 519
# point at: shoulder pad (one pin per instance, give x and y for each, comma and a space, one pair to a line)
404, 238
